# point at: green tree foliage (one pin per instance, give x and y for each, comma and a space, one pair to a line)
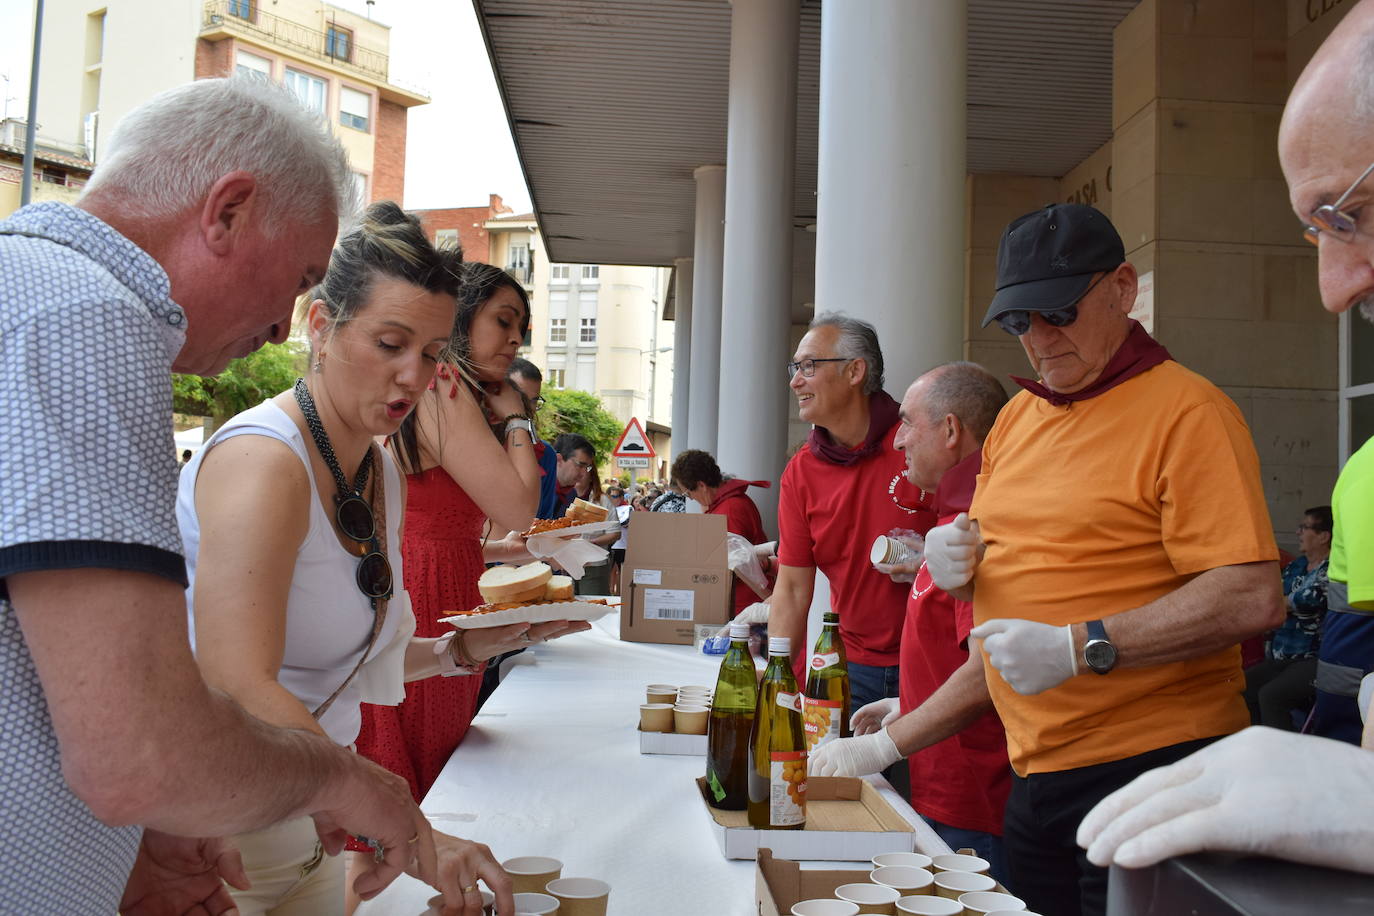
568, 411
244, 382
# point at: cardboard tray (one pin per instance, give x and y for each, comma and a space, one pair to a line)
671, 743
780, 884
846, 820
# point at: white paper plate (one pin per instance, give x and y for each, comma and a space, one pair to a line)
534, 613
573, 530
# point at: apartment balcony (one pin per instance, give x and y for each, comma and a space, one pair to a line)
244, 19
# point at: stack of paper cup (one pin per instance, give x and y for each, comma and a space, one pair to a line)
890, 551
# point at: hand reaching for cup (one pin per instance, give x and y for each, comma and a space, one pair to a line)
871, 717
460, 864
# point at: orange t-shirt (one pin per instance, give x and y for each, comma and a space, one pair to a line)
1101, 506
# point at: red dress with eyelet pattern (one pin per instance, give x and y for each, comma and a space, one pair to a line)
442, 553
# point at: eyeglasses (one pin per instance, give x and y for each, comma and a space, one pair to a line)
1302, 528
1331, 219
539, 402
584, 465
807, 367
1018, 321
356, 521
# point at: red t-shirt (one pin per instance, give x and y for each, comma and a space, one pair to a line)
742, 518
964, 780
828, 516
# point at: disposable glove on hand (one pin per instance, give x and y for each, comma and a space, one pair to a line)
854, 756
952, 552
872, 716
1032, 657
1262, 791
754, 613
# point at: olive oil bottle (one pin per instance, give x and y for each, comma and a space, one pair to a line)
777, 748
730, 725
825, 709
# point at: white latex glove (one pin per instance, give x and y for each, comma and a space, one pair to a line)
1032, 657
952, 552
754, 613
872, 716
1261, 791
854, 756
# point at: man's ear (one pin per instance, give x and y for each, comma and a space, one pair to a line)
227, 211
858, 372
952, 430
1127, 284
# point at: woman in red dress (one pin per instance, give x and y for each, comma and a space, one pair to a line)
468, 455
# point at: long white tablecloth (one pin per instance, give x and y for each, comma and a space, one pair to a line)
552, 767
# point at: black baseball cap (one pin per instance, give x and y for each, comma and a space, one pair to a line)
1047, 258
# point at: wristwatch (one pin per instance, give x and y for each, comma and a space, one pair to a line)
519, 423
1098, 651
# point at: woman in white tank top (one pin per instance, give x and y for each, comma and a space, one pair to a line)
291, 566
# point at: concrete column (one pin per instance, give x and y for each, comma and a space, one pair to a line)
708, 251
890, 188
682, 351
757, 279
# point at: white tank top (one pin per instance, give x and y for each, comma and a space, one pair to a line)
328, 620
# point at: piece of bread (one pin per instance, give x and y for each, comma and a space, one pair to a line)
586, 512
559, 588
506, 584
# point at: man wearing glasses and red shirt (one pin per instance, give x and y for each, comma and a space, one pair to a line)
1117, 550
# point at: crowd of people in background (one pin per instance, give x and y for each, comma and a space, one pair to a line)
1051, 681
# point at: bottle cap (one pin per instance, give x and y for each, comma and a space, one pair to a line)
779, 645
739, 630
830, 617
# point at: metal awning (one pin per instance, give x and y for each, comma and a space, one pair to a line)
613, 103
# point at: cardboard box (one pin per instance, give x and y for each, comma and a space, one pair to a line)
671, 743
846, 820
780, 884
676, 576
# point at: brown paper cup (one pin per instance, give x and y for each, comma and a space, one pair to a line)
928, 906
870, 898
527, 904
656, 717
660, 693
690, 720
529, 874
904, 878
981, 903
909, 859
580, 896
954, 884
956, 862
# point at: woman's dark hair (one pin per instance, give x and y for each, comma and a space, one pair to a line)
695, 466
1321, 518
476, 284
479, 282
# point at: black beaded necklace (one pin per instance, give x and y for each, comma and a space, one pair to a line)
351, 511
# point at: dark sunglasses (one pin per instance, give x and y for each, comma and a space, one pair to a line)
1018, 321
356, 521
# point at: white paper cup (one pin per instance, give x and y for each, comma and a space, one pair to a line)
954, 884
908, 859
825, 908
535, 905
904, 878
981, 903
956, 862
870, 898
929, 906
436, 903
580, 896
660, 693
529, 874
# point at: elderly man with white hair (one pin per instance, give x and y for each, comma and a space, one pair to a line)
215, 206
1299, 797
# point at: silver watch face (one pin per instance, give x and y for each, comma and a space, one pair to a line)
1100, 655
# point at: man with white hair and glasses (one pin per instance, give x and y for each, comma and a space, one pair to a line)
214, 207
1117, 549
1299, 797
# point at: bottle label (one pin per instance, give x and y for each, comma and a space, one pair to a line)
821, 721
787, 789
828, 660
792, 701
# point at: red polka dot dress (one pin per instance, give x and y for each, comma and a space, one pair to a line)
442, 554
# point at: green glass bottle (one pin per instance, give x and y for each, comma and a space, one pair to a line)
777, 748
825, 711
731, 724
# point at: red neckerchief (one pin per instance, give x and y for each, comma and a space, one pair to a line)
954, 493
732, 488
1137, 353
882, 416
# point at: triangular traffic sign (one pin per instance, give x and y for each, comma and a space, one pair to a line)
633, 443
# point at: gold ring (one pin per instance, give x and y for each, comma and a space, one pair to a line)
470, 888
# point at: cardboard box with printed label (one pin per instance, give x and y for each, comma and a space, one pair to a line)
847, 819
676, 576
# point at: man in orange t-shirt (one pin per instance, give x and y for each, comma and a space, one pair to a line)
1118, 548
